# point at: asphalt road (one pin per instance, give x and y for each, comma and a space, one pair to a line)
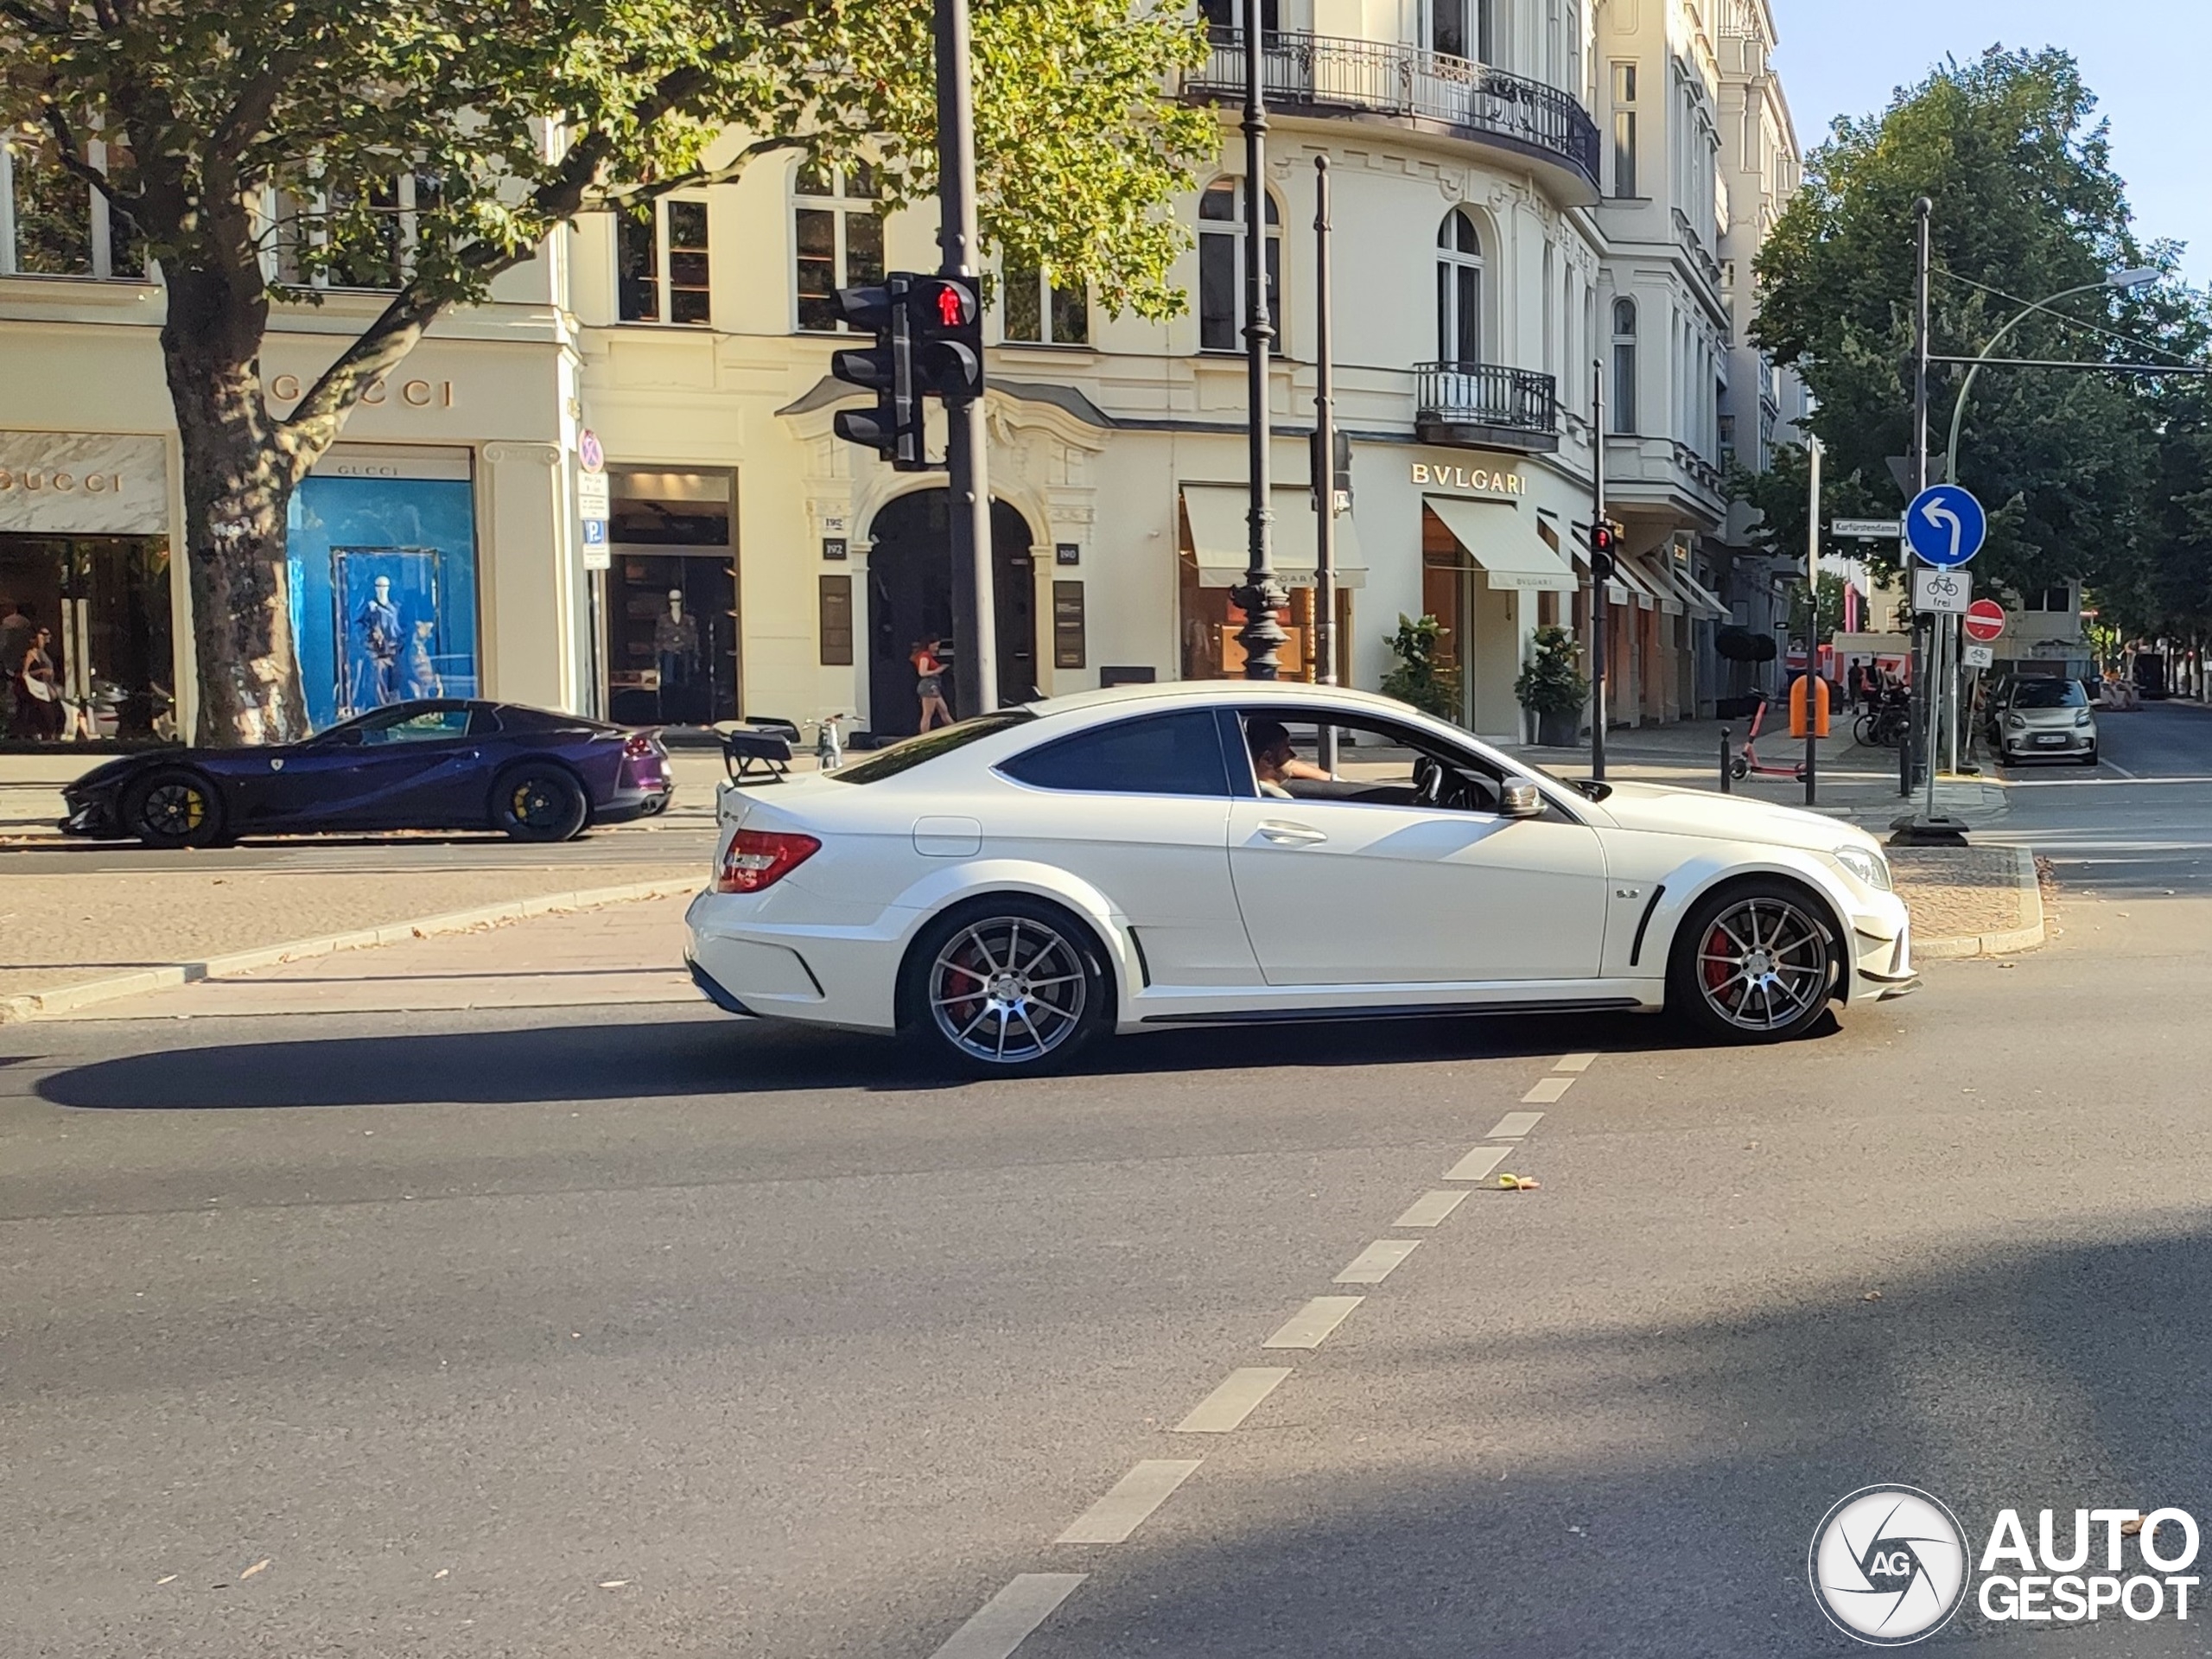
678, 836
2140, 825
648, 1332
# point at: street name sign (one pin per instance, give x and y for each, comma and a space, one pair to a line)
1948, 592
1946, 526
1985, 620
1866, 529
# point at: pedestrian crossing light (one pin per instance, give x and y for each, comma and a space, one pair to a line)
1604, 546
893, 428
948, 333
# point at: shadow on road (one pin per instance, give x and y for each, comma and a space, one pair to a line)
1649, 1489
649, 1060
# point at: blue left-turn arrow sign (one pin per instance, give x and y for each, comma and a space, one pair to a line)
1946, 526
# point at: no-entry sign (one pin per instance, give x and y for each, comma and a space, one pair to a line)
1985, 620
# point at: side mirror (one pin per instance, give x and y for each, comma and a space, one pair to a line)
1519, 797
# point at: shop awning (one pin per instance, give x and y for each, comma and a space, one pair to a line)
1656, 576
1497, 537
1704, 603
1216, 514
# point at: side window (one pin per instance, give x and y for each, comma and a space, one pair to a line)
427, 726
1375, 764
1159, 754
484, 722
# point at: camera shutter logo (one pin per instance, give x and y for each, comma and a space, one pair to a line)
1888, 1565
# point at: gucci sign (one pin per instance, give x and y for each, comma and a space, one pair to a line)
415, 394
83, 483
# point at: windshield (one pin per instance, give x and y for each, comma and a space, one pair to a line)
2049, 694
915, 751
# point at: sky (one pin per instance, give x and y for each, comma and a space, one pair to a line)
2144, 60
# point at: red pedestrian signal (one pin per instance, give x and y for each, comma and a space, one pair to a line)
949, 308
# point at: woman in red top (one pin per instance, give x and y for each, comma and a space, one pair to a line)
929, 683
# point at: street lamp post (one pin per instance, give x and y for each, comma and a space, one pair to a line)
1261, 595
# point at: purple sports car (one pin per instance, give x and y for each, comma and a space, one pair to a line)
441, 764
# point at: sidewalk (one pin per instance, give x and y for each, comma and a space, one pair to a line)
626, 954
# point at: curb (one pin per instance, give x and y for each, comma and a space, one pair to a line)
35, 1005
2026, 937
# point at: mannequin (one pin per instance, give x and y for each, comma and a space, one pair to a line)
378, 621
675, 643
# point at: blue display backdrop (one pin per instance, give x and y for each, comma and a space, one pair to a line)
383, 592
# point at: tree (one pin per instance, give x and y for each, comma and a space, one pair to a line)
2026, 204
249, 137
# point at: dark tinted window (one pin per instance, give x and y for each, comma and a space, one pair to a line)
905, 757
1159, 754
2048, 693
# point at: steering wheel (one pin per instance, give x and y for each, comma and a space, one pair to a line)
1428, 782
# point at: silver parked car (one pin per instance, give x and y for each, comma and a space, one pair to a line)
2045, 719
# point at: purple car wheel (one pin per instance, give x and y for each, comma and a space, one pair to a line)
538, 804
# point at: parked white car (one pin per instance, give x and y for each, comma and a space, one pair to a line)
1007, 889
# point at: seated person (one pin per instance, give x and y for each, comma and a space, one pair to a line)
1273, 759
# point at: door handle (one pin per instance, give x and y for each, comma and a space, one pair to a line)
1290, 834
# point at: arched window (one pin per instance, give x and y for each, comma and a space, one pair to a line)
1221, 267
1624, 366
1458, 290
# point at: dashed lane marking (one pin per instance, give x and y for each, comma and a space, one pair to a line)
1238, 1396
1001, 1624
1514, 1125
1377, 1262
1310, 1327
1477, 1164
1575, 1063
1134, 1498
1548, 1090
1430, 1209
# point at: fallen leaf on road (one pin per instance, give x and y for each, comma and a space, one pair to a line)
441, 1572
1518, 1183
171, 1580
256, 1568
1872, 1296
2129, 1528
613, 1584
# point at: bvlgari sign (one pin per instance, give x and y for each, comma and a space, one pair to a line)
1475, 480
83, 484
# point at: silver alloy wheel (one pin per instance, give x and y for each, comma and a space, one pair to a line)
1763, 962
1007, 990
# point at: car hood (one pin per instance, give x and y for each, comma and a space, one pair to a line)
2052, 717
106, 773
1663, 811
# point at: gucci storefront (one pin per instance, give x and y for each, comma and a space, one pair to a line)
86, 601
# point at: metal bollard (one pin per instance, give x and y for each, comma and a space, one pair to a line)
1727, 782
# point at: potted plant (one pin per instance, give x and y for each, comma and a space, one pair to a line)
1552, 688
1419, 678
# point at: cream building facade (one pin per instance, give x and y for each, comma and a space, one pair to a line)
1523, 188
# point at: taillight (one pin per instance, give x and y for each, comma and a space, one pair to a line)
639, 746
760, 858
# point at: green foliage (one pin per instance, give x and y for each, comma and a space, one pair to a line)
1831, 606
518, 116
2026, 204
1551, 683
1419, 678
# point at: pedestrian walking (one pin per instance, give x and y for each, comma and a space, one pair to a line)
38, 692
16, 630
928, 683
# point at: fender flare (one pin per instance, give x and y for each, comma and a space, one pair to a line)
939, 890
1690, 882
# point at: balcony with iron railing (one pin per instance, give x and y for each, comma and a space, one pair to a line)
1486, 406
1427, 90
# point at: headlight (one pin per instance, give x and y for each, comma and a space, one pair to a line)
2084, 717
1869, 867
2016, 722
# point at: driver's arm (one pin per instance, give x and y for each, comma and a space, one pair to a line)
1300, 769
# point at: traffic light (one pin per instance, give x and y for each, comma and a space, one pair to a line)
948, 325
893, 428
1604, 547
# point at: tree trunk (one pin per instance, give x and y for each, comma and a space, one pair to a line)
238, 489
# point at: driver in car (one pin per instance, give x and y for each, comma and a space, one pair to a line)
1273, 759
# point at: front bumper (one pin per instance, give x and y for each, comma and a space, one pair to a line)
1881, 952
2023, 746
95, 817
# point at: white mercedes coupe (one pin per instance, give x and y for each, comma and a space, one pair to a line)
1010, 889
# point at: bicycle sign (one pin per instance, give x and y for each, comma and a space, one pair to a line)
1945, 525
1942, 590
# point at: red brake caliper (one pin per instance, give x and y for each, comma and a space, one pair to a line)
1712, 958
